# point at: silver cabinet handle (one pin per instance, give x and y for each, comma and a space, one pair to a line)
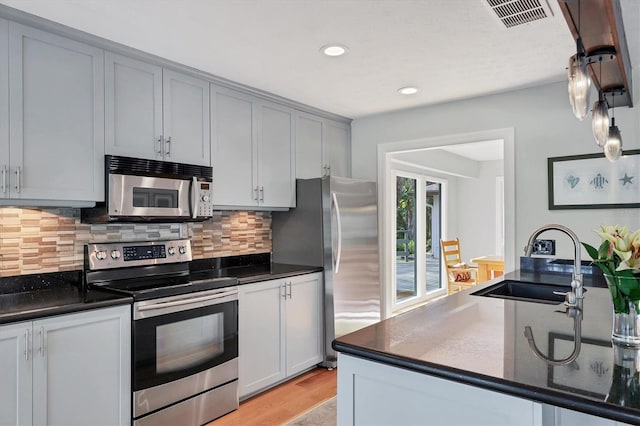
289, 289
325, 170
255, 196
167, 151
18, 183
159, 152
284, 292
4, 179
26, 344
328, 169
262, 194
43, 342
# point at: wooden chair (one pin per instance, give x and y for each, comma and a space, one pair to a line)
459, 274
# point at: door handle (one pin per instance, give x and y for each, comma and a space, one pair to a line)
284, 293
194, 205
255, 195
4, 179
262, 194
26, 344
289, 289
43, 342
336, 265
159, 152
167, 151
18, 183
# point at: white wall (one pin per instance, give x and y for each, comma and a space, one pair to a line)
544, 127
477, 214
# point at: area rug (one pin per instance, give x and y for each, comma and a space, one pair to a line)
321, 415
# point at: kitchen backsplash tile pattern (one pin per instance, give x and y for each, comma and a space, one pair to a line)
52, 240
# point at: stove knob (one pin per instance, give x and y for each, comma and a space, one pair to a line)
115, 254
101, 254
182, 249
171, 251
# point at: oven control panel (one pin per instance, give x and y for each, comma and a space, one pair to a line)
119, 255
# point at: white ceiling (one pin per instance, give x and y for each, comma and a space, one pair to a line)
450, 49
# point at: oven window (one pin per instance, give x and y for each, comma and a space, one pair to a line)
153, 197
184, 344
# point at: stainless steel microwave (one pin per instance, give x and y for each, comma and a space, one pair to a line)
139, 190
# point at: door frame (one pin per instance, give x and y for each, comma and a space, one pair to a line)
386, 209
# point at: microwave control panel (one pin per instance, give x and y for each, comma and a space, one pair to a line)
205, 200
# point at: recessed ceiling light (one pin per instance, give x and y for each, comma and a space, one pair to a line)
334, 50
409, 90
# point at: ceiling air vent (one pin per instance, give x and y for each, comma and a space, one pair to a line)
517, 12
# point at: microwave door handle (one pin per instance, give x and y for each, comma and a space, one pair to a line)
194, 204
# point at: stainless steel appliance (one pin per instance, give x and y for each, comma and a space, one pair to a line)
335, 226
149, 190
184, 332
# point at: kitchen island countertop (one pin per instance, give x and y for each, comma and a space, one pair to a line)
480, 341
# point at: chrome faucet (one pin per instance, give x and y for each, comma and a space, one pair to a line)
575, 295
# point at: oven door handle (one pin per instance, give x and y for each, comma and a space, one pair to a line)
188, 301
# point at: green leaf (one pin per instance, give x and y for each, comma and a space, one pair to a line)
603, 250
591, 250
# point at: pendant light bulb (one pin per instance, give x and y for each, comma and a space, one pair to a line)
613, 147
579, 85
600, 121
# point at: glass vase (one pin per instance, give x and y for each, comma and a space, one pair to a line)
625, 294
625, 380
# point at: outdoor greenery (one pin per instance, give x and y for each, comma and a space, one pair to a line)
406, 215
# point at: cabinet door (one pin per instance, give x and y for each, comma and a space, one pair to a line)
82, 368
304, 322
233, 150
186, 119
133, 107
276, 171
15, 374
309, 146
336, 144
4, 108
260, 329
56, 124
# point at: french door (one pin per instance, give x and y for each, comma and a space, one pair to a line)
417, 271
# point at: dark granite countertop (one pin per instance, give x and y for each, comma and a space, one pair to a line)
28, 297
248, 269
480, 341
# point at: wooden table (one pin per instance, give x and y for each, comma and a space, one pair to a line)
489, 267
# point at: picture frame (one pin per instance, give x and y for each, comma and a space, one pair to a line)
590, 181
589, 374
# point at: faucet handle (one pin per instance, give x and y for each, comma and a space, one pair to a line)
569, 297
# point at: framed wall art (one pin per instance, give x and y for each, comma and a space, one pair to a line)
591, 181
589, 374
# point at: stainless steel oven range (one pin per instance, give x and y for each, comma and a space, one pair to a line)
184, 332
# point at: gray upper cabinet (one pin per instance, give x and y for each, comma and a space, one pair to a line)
4, 107
155, 113
252, 151
56, 118
323, 147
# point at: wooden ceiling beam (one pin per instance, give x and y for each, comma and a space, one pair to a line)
600, 26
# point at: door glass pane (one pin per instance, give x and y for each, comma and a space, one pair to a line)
187, 343
405, 238
432, 231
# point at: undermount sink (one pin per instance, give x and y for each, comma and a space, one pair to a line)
526, 292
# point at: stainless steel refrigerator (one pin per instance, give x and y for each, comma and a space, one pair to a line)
335, 225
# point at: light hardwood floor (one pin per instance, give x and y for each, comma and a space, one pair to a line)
283, 403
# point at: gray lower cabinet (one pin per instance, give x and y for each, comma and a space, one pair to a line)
155, 113
55, 145
280, 330
68, 370
323, 147
252, 151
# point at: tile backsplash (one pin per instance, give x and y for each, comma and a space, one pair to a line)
52, 240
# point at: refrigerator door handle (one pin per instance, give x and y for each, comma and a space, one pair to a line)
336, 266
